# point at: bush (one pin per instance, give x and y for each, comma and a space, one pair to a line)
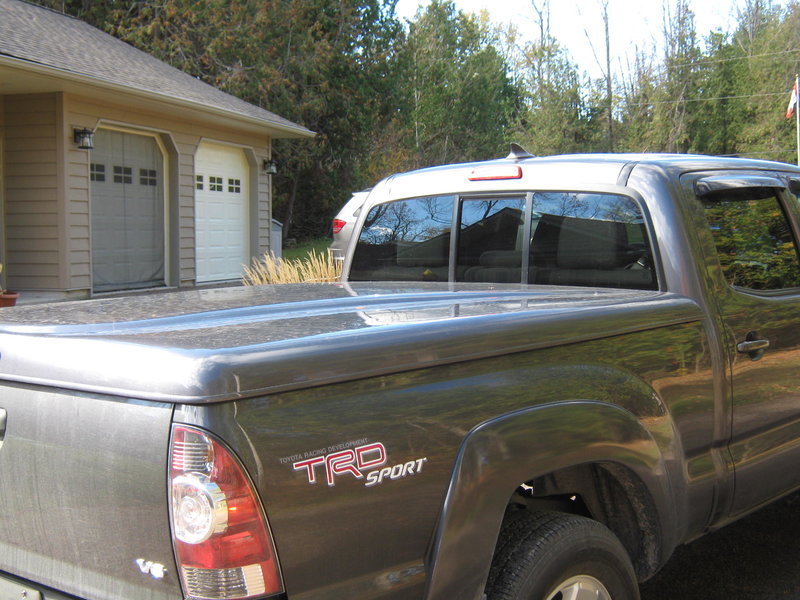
314, 268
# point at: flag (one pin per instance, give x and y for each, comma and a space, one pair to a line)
792, 101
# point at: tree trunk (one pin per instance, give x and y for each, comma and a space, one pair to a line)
287, 225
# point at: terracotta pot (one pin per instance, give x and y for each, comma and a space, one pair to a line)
9, 299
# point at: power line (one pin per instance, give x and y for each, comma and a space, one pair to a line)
711, 61
654, 102
761, 153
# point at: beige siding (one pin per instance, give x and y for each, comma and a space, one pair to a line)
31, 191
2, 181
264, 208
187, 147
264, 214
45, 183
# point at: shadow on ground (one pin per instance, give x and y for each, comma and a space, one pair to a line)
755, 558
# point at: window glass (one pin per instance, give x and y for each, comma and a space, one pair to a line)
754, 242
234, 186
490, 240
198, 182
589, 239
123, 174
147, 177
97, 172
215, 184
407, 240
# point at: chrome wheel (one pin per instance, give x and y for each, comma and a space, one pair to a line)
582, 587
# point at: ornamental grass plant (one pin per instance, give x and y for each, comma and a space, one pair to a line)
313, 268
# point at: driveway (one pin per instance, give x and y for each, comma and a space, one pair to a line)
755, 558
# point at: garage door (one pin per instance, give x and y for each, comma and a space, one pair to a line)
127, 196
222, 222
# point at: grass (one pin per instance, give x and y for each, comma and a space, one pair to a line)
314, 267
315, 245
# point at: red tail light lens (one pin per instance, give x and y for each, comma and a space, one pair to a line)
222, 542
338, 225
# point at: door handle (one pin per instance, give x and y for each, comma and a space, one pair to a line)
752, 345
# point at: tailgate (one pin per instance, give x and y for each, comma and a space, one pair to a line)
84, 493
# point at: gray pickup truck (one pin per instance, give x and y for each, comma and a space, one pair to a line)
537, 378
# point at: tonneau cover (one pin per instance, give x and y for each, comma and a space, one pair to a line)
217, 344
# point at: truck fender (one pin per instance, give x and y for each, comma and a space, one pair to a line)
500, 454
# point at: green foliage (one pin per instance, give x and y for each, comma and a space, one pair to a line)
555, 118
306, 247
727, 98
455, 91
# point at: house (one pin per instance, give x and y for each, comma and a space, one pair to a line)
119, 172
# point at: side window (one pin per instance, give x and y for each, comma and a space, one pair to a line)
754, 242
490, 240
406, 240
589, 239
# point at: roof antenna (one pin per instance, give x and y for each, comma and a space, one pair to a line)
518, 153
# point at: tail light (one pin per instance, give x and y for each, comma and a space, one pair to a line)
338, 225
223, 545
495, 173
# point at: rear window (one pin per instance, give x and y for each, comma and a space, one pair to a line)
551, 238
408, 240
588, 239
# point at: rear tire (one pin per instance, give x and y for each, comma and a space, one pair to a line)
559, 556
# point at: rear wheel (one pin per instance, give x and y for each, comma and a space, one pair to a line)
558, 556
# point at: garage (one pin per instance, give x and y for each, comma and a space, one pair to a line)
127, 211
222, 212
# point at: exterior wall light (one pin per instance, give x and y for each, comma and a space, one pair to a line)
270, 166
84, 138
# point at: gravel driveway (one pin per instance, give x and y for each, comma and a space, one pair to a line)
756, 558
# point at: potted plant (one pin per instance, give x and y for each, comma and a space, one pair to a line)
7, 298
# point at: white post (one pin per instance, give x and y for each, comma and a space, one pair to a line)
797, 115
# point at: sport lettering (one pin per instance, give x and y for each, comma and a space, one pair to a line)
359, 462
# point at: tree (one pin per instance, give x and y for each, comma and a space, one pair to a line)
554, 117
457, 93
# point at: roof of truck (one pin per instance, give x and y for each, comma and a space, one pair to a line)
557, 173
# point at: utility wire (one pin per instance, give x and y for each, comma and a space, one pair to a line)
711, 61
761, 153
704, 99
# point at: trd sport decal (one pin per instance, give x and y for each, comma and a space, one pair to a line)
360, 462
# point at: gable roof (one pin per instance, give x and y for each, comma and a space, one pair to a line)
43, 38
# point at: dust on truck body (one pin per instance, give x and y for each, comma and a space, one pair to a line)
537, 377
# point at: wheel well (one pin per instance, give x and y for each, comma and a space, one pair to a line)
606, 492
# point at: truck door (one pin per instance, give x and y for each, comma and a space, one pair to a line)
752, 231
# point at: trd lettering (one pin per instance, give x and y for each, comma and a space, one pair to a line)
353, 461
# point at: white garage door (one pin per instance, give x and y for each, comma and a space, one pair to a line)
222, 216
127, 194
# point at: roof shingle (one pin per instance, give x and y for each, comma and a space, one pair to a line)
39, 35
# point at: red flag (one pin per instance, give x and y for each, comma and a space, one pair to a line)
792, 101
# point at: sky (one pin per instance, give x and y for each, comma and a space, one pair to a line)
632, 23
